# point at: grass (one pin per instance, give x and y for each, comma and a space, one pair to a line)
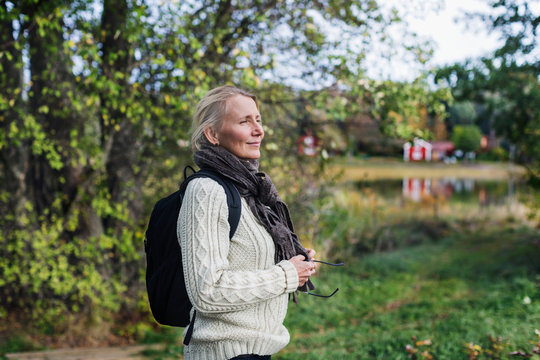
393, 168
471, 292
15, 343
449, 295
454, 292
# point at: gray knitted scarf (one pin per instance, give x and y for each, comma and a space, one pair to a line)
262, 197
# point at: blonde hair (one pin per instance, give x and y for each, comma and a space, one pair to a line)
211, 110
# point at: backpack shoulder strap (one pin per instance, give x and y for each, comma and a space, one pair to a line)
233, 196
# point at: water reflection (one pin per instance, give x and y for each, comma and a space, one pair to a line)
417, 189
445, 195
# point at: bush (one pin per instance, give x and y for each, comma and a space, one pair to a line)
467, 137
495, 154
402, 234
353, 223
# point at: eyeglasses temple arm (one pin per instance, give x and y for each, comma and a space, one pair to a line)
327, 263
323, 296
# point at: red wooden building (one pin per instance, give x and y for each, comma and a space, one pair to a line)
420, 150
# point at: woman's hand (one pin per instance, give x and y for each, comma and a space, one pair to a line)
304, 268
311, 255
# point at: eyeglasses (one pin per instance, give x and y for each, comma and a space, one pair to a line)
319, 295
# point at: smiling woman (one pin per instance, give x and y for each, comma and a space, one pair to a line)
239, 286
241, 132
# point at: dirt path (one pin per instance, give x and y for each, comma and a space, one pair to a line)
132, 352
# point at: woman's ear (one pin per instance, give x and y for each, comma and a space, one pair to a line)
211, 135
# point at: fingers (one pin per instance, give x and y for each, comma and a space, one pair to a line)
313, 268
304, 268
298, 257
306, 275
311, 256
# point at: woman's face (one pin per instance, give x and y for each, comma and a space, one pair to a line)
241, 131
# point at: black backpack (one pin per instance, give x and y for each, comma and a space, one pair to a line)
165, 283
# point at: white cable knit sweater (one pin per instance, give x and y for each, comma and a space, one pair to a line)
239, 293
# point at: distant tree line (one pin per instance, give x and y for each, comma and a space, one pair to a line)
501, 91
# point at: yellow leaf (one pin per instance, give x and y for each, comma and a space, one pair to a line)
423, 342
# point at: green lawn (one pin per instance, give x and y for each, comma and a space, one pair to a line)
457, 291
394, 168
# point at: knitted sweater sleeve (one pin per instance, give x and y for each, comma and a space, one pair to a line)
203, 233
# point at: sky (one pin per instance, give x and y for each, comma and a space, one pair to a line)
455, 39
443, 23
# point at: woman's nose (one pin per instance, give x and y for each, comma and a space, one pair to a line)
257, 129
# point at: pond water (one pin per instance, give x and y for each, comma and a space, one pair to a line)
457, 197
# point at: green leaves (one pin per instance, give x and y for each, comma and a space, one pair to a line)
504, 86
99, 130
466, 137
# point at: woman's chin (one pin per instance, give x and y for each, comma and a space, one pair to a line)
252, 155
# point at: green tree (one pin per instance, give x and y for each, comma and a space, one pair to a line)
466, 137
394, 111
98, 132
506, 83
462, 113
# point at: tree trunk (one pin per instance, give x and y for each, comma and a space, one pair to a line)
13, 157
124, 184
53, 187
